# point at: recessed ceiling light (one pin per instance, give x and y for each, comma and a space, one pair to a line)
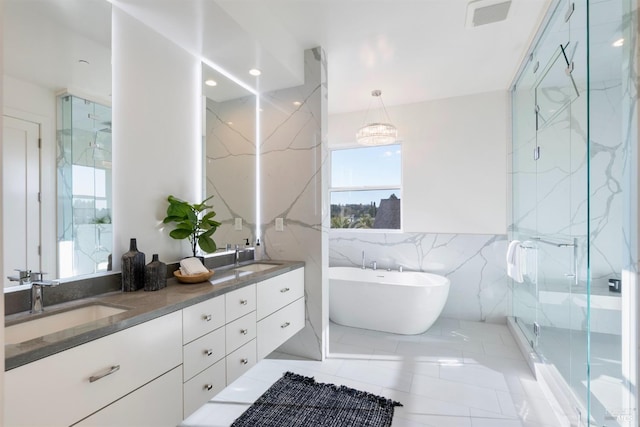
211, 82
618, 43
229, 123
297, 103
255, 72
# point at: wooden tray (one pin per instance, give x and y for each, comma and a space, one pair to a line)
194, 278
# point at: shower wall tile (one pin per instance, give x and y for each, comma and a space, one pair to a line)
475, 265
293, 173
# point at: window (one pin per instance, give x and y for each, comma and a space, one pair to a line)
366, 187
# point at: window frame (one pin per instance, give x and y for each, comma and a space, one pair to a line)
398, 187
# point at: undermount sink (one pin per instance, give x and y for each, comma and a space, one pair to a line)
226, 278
257, 267
41, 326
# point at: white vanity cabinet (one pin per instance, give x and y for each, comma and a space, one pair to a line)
204, 350
67, 387
150, 406
280, 310
219, 344
158, 372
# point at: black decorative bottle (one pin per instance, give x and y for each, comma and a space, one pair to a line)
155, 275
132, 268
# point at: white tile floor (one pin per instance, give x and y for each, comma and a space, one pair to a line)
457, 374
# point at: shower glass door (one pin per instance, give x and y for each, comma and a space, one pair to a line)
550, 200
525, 295
561, 210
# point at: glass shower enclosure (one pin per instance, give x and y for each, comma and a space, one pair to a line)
84, 187
567, 168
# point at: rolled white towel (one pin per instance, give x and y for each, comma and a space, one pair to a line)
191, 266
514, 261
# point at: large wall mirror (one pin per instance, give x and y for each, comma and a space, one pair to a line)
57, 89
229, 133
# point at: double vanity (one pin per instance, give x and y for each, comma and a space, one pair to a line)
148, 358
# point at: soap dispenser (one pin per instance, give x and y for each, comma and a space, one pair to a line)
257, 251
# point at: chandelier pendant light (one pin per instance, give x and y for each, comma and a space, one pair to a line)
380, 132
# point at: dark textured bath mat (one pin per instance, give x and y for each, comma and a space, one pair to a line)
300, 401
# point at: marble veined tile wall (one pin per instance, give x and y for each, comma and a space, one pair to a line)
293, 157
230, 167
475, 265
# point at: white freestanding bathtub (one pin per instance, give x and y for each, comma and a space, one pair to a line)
389, 301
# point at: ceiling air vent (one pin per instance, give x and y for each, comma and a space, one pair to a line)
481, 12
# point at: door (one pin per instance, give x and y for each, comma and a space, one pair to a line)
20, 190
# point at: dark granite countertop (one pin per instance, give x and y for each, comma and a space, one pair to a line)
140, 307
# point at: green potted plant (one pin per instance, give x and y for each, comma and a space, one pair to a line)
192, 222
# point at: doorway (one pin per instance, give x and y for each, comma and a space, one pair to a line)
21, 195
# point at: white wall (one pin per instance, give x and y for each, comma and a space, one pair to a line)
454, 161
453, 200
37, 104
2, 267
157, 126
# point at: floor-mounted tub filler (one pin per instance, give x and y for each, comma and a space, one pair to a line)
399, 302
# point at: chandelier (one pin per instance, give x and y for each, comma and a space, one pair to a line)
380, 132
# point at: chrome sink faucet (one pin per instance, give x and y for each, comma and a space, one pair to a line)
374, 265
364, 263
236, 256
37, 305
23, 277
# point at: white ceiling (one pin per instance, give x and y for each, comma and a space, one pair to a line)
43, 41
413, 50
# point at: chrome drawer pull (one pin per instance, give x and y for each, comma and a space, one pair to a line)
206, 317
244, 361
208, 352
208, 387
284, 325
243, 302
244, 331
113, 369
283, 290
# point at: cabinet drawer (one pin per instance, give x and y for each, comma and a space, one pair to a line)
240, 331
279, 291
274, 330
202, 318
133, 409
240, 361
203, 352
201, 388
62, 384
240, 302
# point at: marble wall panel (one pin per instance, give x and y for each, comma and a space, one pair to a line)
230, 166
475, 265
293, 167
